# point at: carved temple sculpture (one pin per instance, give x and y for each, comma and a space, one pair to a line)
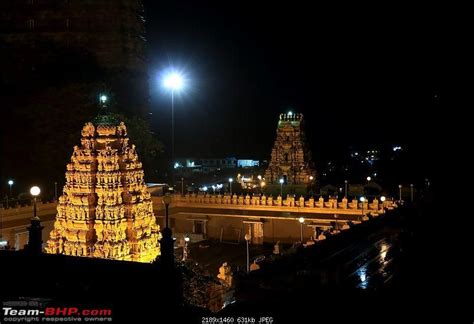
291, 158
105, 210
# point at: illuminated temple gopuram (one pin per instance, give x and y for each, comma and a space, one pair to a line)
105, 210
291, 157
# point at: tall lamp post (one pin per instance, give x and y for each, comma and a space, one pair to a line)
362, 200
346, 183
35, 241
173, 82
230, 185
400, 193
301, 220
35, 191
382, 199
247, 240
167, 252
182, 186
10, 184
185, 249
281, 187
411, 192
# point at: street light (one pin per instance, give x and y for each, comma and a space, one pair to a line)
230, 185
34, 191
167, 242
301, 220
400, 192
411, 192
34, 230
281, 187
382, 199
10, 183
362, 200
345, 188
368, 179
185, 250
103, 99
182, 186
247, 239
174, 82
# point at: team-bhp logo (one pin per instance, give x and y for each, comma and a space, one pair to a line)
31, 312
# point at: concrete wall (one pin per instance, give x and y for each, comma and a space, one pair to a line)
234, 227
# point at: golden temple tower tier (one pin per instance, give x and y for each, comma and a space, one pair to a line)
105, 210
291, 158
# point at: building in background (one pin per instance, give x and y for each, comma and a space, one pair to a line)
248, 163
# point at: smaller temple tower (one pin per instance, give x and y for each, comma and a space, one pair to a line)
291, 158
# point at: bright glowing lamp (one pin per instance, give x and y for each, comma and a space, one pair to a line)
35, 191
301, 220
10, 182
281, 181
362, 199
173, 81
382, 199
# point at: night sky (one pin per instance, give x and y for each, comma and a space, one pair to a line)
359, 76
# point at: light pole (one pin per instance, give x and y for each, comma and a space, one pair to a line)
368, 179
10, 183
346, 183
411, 192
400, 192
35, 241
167, 252
174, 82
262, 184
301, 220
362, 200
382, 199
247, 240
34, 191
281, 187
230, 185
185, 249
182, 186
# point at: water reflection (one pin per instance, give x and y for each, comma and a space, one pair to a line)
362, 273
383, 252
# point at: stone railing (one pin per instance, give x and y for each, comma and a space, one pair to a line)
28, 209
290, 201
